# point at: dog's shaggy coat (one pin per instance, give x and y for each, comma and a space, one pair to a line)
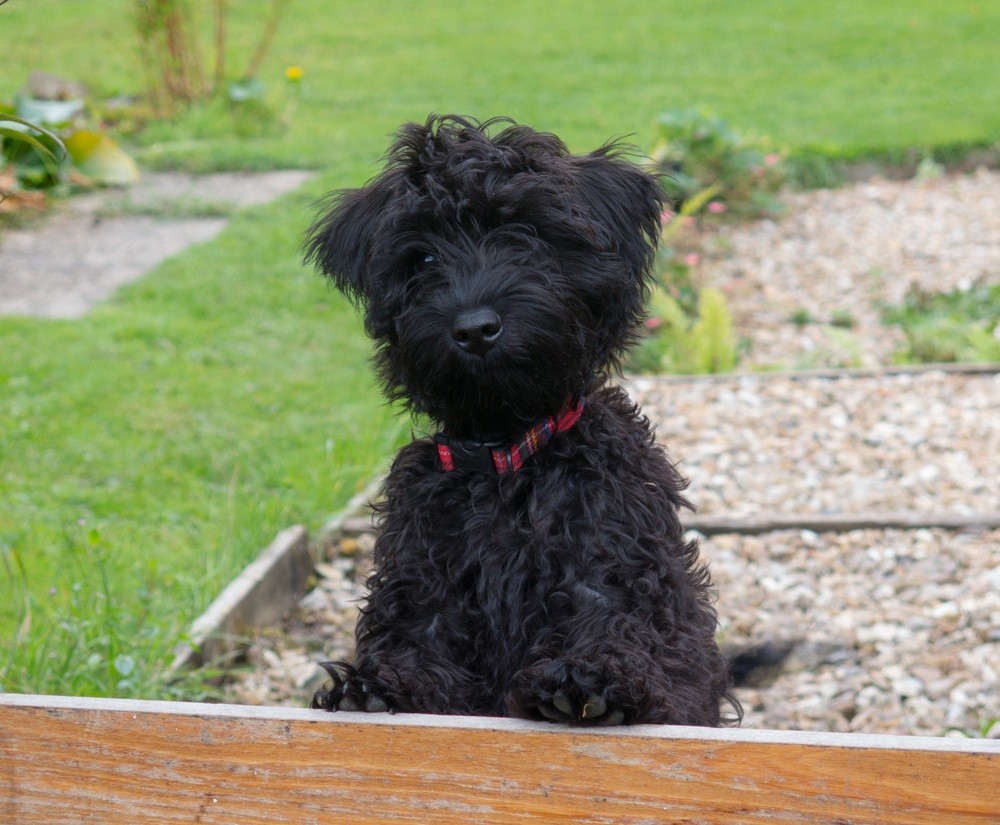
502, 279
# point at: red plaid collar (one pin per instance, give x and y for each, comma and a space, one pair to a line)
502, 457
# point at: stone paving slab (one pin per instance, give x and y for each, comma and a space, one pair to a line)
64, 264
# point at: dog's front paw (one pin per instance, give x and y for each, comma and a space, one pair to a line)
348, 691
561, 690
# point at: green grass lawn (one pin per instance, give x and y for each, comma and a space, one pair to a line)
151, 449
848, 74
166, 437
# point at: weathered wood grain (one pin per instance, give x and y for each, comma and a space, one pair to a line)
77, 760
821, 523
988, 368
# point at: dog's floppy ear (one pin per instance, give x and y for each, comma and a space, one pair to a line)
624, 203
621, 206
340, 242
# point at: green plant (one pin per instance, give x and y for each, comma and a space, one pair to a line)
713, 340
53, 159
987, 729
800, 317
842, 318
175, 74
689, 328
38, 156
961, 325
688, 343
696, 151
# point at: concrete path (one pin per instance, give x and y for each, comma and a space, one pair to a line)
92, 244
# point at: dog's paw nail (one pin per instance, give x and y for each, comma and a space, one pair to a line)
376, 704
562, 702
596, 706
615, 717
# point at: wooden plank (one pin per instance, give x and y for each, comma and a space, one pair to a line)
109, 761
907, 520
972, 369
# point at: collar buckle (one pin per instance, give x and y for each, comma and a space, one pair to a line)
470, 455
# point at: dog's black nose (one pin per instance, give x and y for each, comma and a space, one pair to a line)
476, 330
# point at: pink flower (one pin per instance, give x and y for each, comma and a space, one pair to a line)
666, 216
692, 259
654, 323
771, 159
716, 207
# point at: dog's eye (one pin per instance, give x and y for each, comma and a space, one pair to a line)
424, 261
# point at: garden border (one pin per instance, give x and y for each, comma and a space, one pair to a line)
262, 593
986, 368
842, 523
122, 761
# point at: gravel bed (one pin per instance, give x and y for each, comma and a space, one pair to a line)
757, 445
892, 631
889, 631
846, 251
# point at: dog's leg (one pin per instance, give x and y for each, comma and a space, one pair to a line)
618, 668
408, 660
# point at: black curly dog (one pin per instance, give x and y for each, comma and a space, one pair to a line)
530, 560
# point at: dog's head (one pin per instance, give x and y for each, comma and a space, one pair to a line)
499, 274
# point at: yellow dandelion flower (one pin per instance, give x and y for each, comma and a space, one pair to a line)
294, 73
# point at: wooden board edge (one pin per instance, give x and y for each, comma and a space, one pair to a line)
10, 702
969, 369
841, 523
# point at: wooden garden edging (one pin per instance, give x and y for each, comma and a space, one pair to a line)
262, 593
841, 523
65, 760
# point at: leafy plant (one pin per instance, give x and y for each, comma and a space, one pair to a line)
801, 317
688, 343
42, 159
689, 329
38, 155
696, 151
713, 340
961, 325
842, 318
